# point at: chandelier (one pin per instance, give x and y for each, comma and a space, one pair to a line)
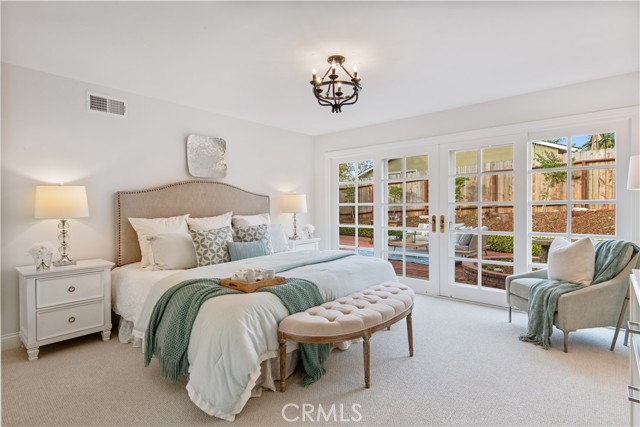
332, 91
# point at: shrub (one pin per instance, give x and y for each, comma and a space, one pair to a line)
500, 243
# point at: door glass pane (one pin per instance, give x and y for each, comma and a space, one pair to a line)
365, 193
346, 193
499, 247
394, 216
346, 236
593, 219
540, 248
417, 191
549, 218
466, 162
497, 158
549, 186
465, 189
416, 215
593, 184
494, 275
395, 192
549, 153
365, 215
394, 169
365, 241
347, 172
417, 167
497, 188
466, 215
466, 272
497, 218
347, 215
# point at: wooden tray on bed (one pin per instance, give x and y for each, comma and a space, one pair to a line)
248, 287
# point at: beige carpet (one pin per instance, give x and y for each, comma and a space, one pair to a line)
469, 369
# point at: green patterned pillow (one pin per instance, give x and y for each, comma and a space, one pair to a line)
252, 233
211, 245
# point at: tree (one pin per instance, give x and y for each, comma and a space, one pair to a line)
461, 181
599, 141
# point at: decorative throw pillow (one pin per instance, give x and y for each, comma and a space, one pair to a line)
209, 222
279, 239
248, 220
146, 227
252, 233
243, 250
211, 245
171, 251
572, 262
465, 239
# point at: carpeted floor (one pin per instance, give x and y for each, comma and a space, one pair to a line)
469, 369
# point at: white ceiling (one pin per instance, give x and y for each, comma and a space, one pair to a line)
253, 60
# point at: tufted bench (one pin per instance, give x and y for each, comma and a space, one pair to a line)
358, 315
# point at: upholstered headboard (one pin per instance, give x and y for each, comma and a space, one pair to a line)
198, 198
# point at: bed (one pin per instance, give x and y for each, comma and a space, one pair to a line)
233, 344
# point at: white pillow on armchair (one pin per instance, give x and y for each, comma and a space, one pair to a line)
572, 262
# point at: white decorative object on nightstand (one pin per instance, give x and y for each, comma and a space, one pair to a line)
305, 244
64, 302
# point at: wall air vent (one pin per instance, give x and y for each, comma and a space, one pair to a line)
106, 104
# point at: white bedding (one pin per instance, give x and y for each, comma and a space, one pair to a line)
233, 334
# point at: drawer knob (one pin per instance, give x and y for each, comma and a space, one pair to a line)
72, 319
71, 289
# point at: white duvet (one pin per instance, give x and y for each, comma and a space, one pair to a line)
233, 334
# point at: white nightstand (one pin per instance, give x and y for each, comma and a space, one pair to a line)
305, 244
64, 302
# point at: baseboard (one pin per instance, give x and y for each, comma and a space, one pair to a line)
10, 341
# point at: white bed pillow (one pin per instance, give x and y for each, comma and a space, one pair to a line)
279, 239
572, 262
210, 222
146, 227
171, 251
249, 220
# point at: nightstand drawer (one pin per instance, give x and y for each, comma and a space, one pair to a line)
66, 289
53, 323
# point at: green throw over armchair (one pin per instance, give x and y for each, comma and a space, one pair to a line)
594, 306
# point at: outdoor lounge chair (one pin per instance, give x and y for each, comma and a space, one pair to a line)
471, 249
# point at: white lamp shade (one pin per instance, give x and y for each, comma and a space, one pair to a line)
61, 202
633, 183
293, 203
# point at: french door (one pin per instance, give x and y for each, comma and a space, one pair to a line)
480, 205
455, 219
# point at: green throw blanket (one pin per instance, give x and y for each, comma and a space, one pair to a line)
167, 336
544, 295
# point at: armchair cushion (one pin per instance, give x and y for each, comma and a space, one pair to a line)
572, 262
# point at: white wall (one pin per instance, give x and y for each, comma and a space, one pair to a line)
598, 95
49, 137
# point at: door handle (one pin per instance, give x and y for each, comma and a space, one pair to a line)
433, 223
442, 223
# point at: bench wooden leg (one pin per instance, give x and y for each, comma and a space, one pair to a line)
283, 363
366, 350
410, 333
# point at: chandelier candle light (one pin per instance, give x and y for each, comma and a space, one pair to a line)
61, 202
328, 90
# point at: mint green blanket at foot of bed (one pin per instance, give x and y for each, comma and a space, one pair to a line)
544, 295
169, 329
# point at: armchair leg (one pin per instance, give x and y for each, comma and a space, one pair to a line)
509, 314
623, 309
566, 341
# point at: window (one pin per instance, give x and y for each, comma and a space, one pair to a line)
355, 206
572, 190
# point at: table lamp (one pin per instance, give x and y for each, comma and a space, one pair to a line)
61, 202
294, 203
633, 181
